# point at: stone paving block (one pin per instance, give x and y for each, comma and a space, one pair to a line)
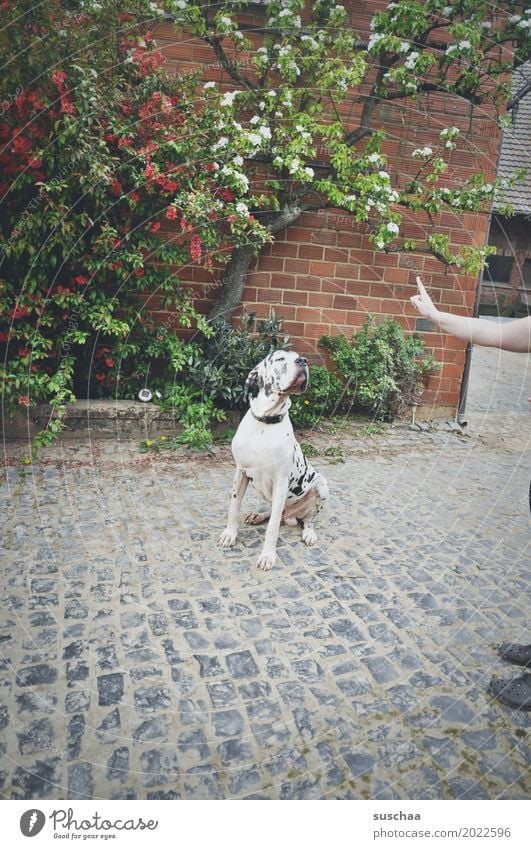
155, 666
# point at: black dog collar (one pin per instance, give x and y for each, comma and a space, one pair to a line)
269, 419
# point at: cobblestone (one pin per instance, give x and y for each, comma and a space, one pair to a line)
138, 661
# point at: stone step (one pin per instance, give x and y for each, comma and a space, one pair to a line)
110, 418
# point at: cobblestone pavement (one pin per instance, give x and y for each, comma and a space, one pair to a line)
139, 661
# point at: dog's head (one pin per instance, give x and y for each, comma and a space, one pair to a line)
280, 373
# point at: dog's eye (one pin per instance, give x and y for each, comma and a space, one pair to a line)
280, 359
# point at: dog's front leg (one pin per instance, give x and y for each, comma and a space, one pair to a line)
278, 499
239, 486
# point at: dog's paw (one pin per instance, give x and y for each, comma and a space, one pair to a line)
227, 538
309, 537
322, 488
266, 561
256, 518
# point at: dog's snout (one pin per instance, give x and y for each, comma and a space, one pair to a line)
301, 361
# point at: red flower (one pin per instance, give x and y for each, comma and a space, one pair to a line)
58, 78
154, 227
80, 280
100, 377
195, 248
4, 337
24, 352
67, 106
149, 171
139, 272
171, 186
227, 195
231, 219
109, 363
24, 401
171, 213
18, 312
116, 188
134, 196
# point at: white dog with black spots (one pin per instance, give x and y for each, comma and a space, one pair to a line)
266, 452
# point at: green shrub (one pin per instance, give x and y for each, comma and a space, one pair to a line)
321, 399
381, 368
219, 366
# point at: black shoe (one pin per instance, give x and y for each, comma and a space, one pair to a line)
515, 653
516, 693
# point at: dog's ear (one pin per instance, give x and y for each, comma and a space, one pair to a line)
252, 385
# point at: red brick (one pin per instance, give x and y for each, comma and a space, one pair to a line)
310, 284
270, 296
311, 252
324, 237
350, 271
282, 281
321, 299
346, 302
295, 297
335, 286
297, 266
322, 269
335, 255
271, 263
310, 314
315, 331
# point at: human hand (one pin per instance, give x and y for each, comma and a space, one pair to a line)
424, 303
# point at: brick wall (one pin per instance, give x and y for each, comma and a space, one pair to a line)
323, 275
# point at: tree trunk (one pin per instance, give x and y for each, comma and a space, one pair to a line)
233, 281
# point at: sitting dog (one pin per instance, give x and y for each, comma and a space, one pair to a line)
266, 452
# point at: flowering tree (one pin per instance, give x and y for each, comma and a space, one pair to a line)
98, 153
288, 104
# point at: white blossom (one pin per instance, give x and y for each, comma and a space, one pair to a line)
255, 139
238, 161
374, 39
404, 47
255, 119
374, 157
228, 98
451, 48
411, 60
265, 132
242, 208
222, 142
392, 227
209, 85
310, 173
465, 44
422, 151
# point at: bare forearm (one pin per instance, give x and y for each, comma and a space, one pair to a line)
510, 336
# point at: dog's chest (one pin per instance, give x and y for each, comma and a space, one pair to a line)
270, 453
